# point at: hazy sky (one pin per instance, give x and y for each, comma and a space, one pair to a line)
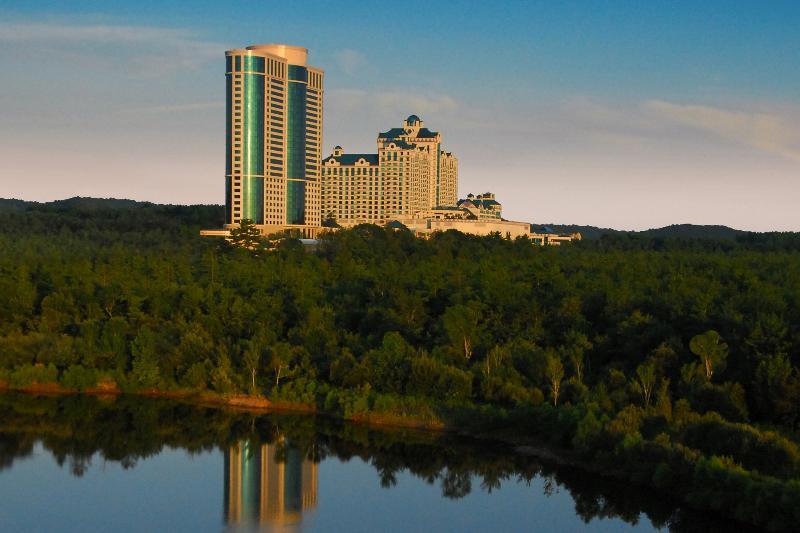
625, 114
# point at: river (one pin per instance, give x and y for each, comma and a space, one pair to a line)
80, 463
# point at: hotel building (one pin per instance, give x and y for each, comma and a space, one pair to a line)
273, 138
275, 176
409, 174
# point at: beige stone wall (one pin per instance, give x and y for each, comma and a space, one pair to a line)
406, 176
352, 193
404, 181
448, 179
507, 229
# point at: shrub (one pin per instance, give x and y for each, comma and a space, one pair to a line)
26, 375
78, 377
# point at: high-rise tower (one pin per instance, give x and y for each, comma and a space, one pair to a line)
273, 138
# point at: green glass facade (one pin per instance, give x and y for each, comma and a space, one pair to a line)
253, 147
295, 202
296, 145
250, 155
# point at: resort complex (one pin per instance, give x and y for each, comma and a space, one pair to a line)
276, 178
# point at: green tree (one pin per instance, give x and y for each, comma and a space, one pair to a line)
461, 322
330, 221
574, 350
222, 372
145, 371
281, 358
645, 381
554, 371
711, 350
251, 359
663, 400
495, 359
248, 236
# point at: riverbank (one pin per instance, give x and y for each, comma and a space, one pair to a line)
239, 402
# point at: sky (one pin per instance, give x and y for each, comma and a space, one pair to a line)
628, 114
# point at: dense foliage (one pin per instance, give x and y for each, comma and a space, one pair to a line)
674, 361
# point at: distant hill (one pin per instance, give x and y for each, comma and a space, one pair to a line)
9, 204
76, 202
587, 232
83, 202
691, 231
674, 231
107, 214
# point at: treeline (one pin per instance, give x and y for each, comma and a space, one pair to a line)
674, 363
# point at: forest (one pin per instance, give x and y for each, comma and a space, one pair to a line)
669, 362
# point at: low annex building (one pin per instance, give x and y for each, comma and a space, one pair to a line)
477, 215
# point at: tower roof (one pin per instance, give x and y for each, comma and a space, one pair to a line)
294, 55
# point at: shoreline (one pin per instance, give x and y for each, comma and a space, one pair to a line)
523, 445
237, 402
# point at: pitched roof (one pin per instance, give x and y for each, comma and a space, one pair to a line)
478, 202
425, 133
392, 133
351, 159
402, 144
396, 224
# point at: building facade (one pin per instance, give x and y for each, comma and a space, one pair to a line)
409, 173
483, 206
477, 215
273, 142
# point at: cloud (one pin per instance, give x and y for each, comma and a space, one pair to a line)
142, 50
350, 61
768, 132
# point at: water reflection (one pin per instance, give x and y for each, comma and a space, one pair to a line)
268, 484
268, 467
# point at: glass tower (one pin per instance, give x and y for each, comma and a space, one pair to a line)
273, 137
